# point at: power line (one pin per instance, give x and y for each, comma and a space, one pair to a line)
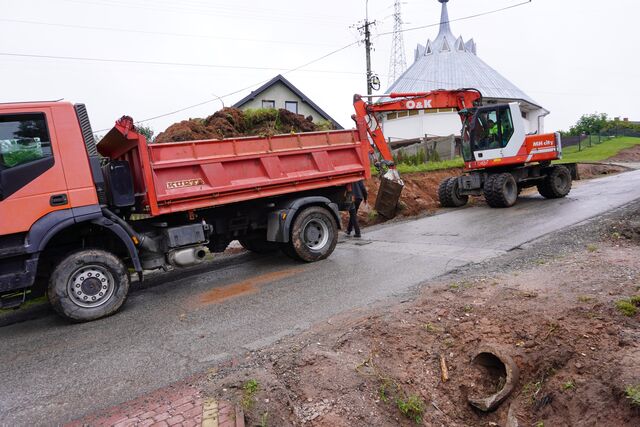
477, 15
177, 64
243, 89
214, 10
326, 56
162, 33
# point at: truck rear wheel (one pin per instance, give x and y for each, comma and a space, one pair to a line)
556, 184
259, 245
88, 284
314, 235
449, 194
501, 190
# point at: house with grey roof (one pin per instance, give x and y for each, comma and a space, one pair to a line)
450, 62
281, 93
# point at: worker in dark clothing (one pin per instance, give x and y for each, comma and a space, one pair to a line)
359, 192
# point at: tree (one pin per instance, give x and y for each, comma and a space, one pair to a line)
146, 131
590, 124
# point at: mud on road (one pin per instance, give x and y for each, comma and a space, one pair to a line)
551, 306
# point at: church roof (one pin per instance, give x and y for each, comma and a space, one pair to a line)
448, 62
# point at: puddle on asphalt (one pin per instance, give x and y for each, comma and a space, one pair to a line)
246, 287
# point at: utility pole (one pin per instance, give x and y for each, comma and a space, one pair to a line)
398, 63
373, 82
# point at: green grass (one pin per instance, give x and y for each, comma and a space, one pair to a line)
249, 389
598, 152
633, 394
426, 167
627, 307
413, 408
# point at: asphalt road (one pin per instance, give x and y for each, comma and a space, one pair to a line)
183, 322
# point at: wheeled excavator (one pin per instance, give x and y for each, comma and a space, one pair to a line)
500, 159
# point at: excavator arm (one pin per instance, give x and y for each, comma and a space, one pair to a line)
367, 121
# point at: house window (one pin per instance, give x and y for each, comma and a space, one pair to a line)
291, 106
268, 104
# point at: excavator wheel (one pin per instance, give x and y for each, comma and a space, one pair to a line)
501, 190
556, 184
449, 195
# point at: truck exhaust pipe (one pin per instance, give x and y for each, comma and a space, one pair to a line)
187, 257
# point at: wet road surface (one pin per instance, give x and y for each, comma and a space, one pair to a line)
184, 321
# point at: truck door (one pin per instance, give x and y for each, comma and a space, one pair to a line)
32, 182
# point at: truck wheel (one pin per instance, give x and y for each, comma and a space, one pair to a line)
501, 190
449, 194
314, 235
556, 184
259, 245
88, 284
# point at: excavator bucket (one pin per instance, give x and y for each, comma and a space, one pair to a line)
389, 194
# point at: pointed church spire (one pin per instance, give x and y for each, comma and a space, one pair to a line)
445, 28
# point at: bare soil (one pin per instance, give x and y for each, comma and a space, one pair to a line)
629, 155
550, 306
232, 122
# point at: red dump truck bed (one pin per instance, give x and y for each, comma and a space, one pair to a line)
181, 176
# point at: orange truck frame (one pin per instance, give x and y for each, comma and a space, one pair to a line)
76, 217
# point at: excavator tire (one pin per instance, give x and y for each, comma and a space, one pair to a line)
557, 184
448, 194
501, 190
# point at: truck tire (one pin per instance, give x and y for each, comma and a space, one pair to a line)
501, 190
556, 184
449, 194
259, 245
314, 235
88, 284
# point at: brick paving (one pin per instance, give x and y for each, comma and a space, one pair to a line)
176, 405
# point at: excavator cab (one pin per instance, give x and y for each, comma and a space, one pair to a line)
491, 132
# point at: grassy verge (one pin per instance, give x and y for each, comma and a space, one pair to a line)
597, 153
426, 167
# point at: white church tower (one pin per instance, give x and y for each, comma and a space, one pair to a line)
448, 62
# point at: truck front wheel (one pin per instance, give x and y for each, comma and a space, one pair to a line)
314, 235
88, 284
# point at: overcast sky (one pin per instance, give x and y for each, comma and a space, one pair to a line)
571, 56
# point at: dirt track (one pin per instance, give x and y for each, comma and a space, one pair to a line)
550, 306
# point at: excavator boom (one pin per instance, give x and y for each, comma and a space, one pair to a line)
366, 120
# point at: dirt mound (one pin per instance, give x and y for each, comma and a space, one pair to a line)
627, 229
232, 122
588, 171
419, 196
629, 155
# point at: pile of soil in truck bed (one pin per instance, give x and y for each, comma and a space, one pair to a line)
232, 123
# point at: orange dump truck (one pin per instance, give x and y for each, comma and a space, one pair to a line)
77, 217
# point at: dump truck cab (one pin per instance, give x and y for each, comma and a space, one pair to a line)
49, 203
